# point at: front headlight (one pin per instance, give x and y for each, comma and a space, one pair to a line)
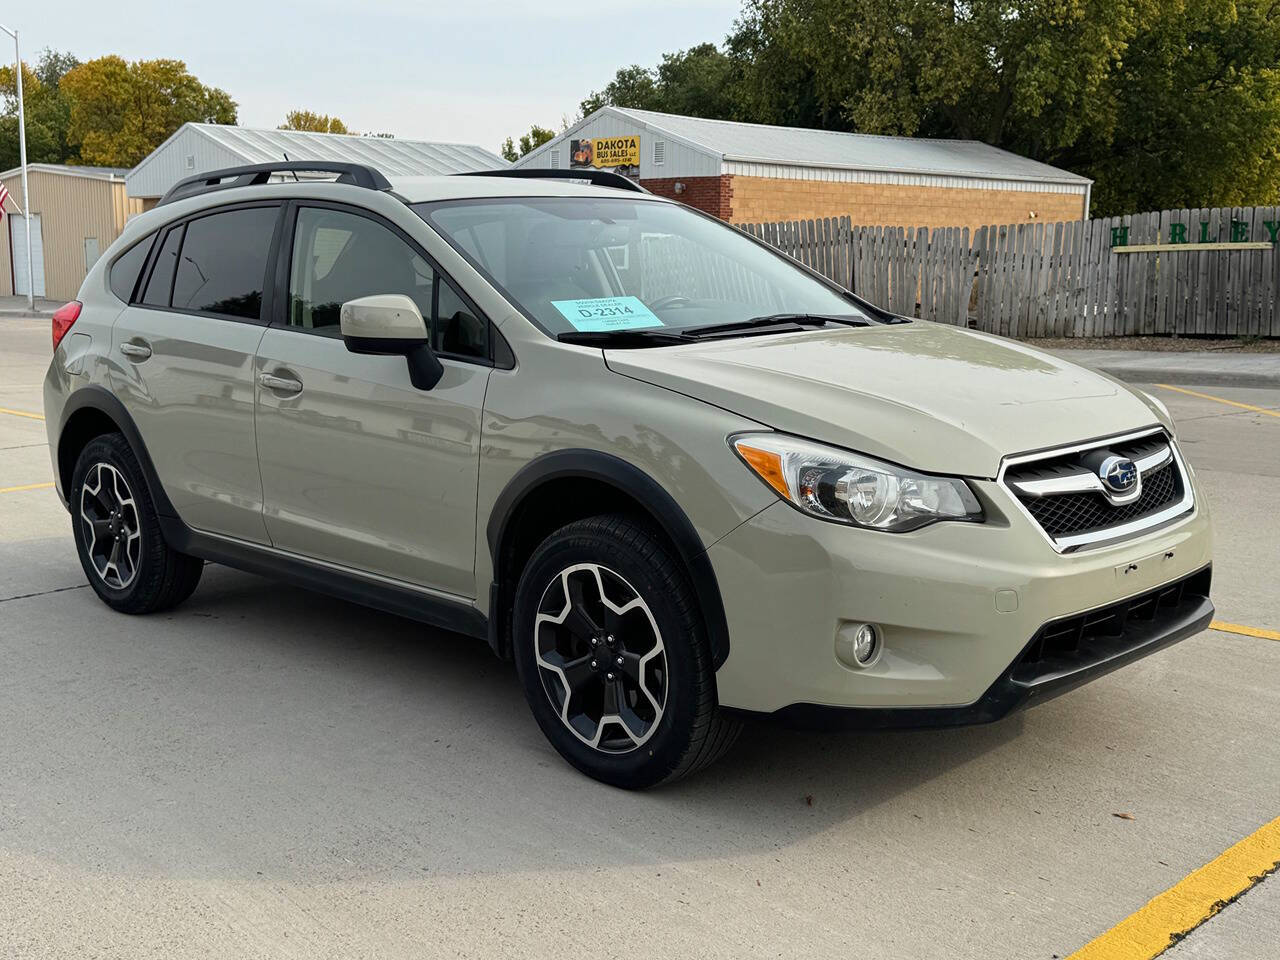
833, 484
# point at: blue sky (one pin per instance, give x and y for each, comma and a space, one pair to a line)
470, 71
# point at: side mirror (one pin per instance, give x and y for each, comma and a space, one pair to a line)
391, 324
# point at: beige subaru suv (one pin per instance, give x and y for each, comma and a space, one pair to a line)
676, 477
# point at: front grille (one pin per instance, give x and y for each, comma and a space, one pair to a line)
1066, 646
1061, 492
1072, 513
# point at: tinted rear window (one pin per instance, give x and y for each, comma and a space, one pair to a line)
124, 272
161, 280
223, 266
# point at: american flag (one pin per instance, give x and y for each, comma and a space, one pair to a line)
4, 197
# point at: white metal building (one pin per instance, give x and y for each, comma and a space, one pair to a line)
197, 147
748, 172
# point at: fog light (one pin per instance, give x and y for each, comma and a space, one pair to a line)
858, 644
865, 642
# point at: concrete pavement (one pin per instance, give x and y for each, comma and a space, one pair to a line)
1233, 934
17, 307
1195, 367
267, 772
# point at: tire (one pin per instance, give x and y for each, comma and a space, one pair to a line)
664, 723
117, 533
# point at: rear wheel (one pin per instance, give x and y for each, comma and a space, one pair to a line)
117, 532
614, 658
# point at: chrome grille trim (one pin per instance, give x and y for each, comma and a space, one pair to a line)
1086, 481
1074, 481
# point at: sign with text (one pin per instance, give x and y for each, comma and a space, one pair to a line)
606, 152
1182, 234
602, 314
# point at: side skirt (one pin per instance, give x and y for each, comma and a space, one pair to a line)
456, 615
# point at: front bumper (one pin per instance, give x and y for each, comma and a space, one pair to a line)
958, 606
1063, 655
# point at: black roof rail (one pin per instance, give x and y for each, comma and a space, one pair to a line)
601, 178
357, 174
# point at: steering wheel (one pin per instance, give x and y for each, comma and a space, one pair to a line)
675, 300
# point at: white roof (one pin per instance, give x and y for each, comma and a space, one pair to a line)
70, 170
796, 146
217, 145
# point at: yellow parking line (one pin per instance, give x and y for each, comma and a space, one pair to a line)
1230, 403
1244, 631
21, 413
1190, 902
26, 486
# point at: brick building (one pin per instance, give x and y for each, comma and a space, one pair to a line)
752, 173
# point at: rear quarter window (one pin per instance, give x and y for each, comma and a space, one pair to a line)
123, 277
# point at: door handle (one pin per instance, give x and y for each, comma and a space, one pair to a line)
136, 351
280, 384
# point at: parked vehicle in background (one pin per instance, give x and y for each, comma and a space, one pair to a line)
677, 478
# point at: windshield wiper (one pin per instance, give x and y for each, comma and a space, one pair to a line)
772, 320
657, 337
624, 338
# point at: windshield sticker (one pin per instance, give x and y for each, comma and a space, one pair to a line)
602, 314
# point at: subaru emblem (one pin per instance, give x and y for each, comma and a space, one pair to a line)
1118, 474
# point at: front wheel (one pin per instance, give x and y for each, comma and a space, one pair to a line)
613, 655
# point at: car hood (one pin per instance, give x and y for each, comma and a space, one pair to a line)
923, 395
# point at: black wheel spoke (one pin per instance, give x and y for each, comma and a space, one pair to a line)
580, 621
581, 625
630, 667
612, 623
614, 697
577, 672
636, 727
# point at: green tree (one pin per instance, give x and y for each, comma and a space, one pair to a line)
47, 111
121, 111
634, 86
536, 137
696, 82
983, 69
1164, 103
312, 122
1197, 117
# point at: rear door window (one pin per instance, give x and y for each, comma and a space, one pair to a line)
161, 280
223, 266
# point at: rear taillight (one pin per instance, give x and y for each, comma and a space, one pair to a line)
63, 318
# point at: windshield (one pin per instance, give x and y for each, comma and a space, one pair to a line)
605, 265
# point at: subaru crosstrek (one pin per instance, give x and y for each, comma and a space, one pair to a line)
677, 477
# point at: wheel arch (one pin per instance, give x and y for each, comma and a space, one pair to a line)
567, 485
91, 412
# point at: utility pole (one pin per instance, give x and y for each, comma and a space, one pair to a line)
22, 154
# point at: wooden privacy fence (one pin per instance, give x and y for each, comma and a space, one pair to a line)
1061, 279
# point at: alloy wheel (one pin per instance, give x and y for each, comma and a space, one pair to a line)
600, 657
112, 534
